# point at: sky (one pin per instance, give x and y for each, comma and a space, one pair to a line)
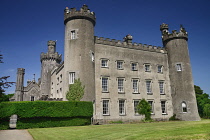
27, 25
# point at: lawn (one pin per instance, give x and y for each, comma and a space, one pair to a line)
156, 130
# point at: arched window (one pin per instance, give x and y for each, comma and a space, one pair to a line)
184, 107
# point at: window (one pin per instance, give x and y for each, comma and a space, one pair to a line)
104, 63
32, 98
178, 67
105, 107
119, 65
163, 107
92, 57
147, 67
71, 77
135, 103
120, 85
160, 69
184, 107
161, 86
122, 107
152, 108
149, 86
61, 78
134, 66
104, 84
135, 85
73, 34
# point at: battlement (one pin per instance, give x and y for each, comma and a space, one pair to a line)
51, 43
49, 56
129, 45
83, 13
21, 70
167, 36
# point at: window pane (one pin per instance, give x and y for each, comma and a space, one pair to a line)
147, 67
179, 67
104, 63
119, 65
151, 104
134, 66
160, 69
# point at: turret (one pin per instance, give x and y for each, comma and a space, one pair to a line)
79, 49
180, 73
19, 84
48, 61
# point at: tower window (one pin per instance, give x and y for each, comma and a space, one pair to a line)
178, 67
73, 34
71, 77
105, 107
122, 107
163, 107
184, 107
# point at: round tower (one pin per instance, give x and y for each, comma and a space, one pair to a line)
48, 60
19, 84
180, 73
79, 49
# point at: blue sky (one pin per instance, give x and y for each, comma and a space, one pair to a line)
27, 25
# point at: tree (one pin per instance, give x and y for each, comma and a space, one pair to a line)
202, 100
144, 108
76, 91
5, 97
3, 81
206, 111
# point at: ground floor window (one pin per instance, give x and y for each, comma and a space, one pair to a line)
163, 107
105, 107
184, 107
32, 98
122, 107
152, 107
135, 103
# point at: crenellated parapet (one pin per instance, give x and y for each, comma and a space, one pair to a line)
167, 36
50, 56
129, 44
84, 13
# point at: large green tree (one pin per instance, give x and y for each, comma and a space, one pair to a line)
202, 100
76, 91
144, 108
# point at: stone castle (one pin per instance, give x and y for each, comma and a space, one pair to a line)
116, 74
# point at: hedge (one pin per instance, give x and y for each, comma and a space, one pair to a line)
46, 113
27, 109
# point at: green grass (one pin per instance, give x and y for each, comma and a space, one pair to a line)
156, 130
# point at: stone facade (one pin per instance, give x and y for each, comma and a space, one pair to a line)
116, 74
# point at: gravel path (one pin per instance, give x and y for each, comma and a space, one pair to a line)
15, 135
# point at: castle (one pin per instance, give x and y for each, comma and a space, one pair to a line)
116, 74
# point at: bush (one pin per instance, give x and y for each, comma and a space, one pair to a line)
46, 113
27, 109
173, 118
144, 108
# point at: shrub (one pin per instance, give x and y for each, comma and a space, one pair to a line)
144, 108
46, 113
